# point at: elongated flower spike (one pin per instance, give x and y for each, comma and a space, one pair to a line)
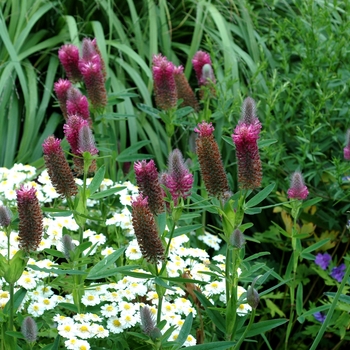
148, 323
245, 137
29, 329
92, 68
148, 181
211, 166
164, 82
61, 89
30, 219
78, 104
69, 57
146, 230
58, 169
177, 179
184, 90
5, 216
297, 189
347, 147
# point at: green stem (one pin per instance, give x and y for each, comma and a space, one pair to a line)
241, 339
12, 306
331, 310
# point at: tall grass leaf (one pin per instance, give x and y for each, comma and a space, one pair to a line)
259, 197
100, 38
73, 30
13, 122
299, 299
153, 28
165, 28
262, 327
219, 345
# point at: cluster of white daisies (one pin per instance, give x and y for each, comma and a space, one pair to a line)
115, 303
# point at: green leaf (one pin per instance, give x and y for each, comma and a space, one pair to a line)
262, 327
344, 298
107, 193
218, 345
55, 345
126, 270
265, 143
299, 299
152, 112
256, 256
186, 229
105, 263
185, 329
306, 251
259, 197
97, 180
130, 153
180, 113
311, 202
69, 306
214, 315
18, 298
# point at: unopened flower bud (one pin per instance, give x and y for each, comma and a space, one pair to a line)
148, 323
237, 239
5, 216
68, 246
29, 329
253, 298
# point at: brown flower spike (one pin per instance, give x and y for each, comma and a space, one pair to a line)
58, 169
212, 169
30, 219
146, 231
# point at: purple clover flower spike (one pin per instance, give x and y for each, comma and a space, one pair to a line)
165, 90
78, 104
297, 189
61, 89
86, 141
347, 147
203, 67
5, 216
319, 316
323, 260
69, 58
338, 272
178, 179
71, 130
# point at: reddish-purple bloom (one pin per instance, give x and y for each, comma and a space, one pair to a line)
57, 167
164, 82
338, 272
61, 89
297, 189
209, 157
148, 181
319, 316
323, 260
203, 67
30, 219
78, 104
71, 130
347, 147
69, 58
245, 137
184, 90
86, 141
146, 230
178, 179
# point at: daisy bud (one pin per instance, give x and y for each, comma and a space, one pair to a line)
78, 104
184, 90
148, 323
61, 89
149, 185
146, 230
58, 169
29, 329
245, 137
5, 216
297, 189
210, 162
347, 147
69, 58
30, 219
164, 82
178, 179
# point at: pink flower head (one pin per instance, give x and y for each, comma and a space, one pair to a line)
78, 104
147, 179
297, 189
164, 82
178, 179
61, 89
71, 130
203, 68
347, 147
69, 58
89, 49
245, 137
30, 219
94, 79
204, 129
